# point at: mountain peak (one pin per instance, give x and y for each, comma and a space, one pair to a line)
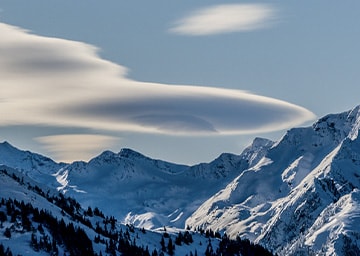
129, 153
261, 142
6, 145
345, 124
257, 150
355, 111
124, 153
106, 154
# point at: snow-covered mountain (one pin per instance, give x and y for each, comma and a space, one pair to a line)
136, 189
37, 167
302, 196
146, 192
299, 195
36, 220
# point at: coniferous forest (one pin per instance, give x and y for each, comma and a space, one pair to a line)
76, 231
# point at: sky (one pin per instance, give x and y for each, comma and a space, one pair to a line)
179, 81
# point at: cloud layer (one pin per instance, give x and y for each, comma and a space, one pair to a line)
225, 19
55, 82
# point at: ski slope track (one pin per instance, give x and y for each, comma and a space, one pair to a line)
297, 196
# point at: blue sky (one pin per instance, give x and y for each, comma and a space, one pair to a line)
181, 81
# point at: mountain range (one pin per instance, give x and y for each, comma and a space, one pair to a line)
297, 196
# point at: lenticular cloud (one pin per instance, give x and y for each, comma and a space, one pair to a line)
50, 81
225, 18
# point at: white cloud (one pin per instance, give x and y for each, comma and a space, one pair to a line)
225, 18
71, 147
55, 82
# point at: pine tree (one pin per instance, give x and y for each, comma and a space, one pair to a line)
179, 239
7, 233
3, 218
89, 212
170, 247
162, 243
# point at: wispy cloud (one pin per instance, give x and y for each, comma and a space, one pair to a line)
225, 18
56, 82
71, 147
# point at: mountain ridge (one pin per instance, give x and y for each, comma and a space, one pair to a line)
176, 183
299, 178
299, 195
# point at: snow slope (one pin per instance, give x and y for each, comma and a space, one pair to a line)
17, 187
132, 187
146, 192
37, 167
